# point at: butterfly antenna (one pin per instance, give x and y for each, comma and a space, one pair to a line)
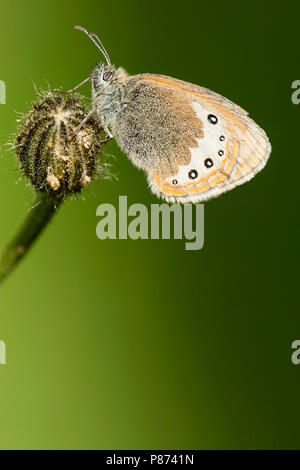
93, 37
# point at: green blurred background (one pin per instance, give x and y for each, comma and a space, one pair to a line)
141, 344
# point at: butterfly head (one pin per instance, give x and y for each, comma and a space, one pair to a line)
106, 79
106, 76
102, 76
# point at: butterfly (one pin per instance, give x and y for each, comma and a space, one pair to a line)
192, 143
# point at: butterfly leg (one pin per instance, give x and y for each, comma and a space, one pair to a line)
72, 89
109, 135
107, 139
87, 117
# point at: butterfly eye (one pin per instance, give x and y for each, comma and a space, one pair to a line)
107, 75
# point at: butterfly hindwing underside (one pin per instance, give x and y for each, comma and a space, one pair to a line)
193, 143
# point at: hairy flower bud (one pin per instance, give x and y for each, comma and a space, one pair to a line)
54, 158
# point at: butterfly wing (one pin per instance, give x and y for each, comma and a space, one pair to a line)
193, 143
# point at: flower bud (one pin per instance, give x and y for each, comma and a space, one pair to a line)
54, 158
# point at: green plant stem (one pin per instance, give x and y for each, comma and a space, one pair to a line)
44, 208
